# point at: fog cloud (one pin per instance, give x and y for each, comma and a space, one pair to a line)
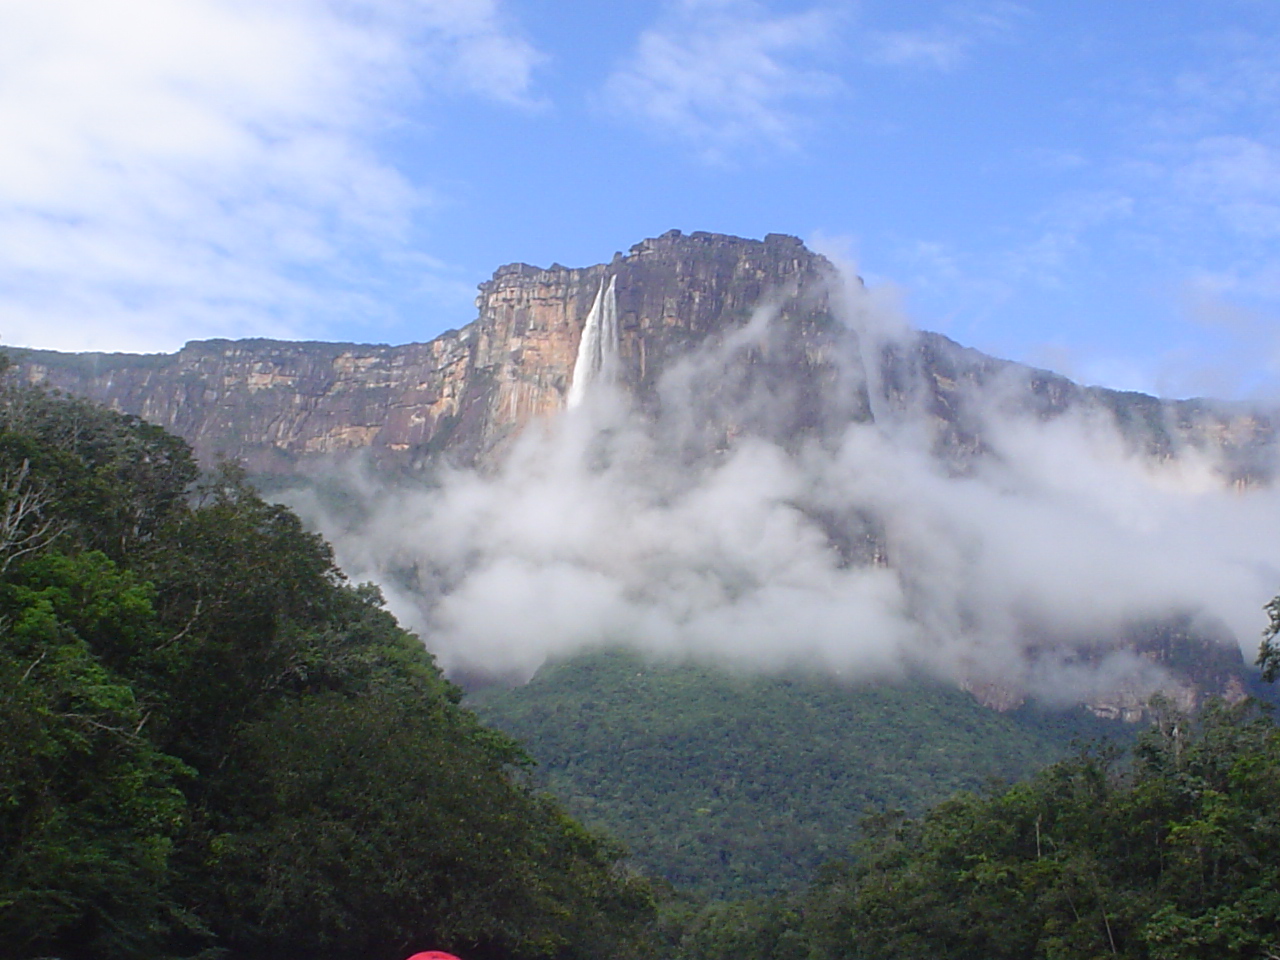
179, 169
860, 551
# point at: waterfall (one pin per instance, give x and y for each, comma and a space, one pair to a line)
598, 349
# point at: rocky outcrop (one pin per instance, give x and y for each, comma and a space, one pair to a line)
460, 396
1184, 661
272, 403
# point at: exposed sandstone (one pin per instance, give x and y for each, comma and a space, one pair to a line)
271, 402
461, 395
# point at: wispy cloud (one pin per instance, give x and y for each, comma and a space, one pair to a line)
1238, 178
1248, 340
185, 168
1169, 200
1209, 157
470, 43
935, 48
1208, 175
727, 75
1064, 233
948, 43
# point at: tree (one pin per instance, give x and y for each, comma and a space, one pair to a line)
380, 820
1167, 857
89, 808
1269, 653
109, 479
27, 521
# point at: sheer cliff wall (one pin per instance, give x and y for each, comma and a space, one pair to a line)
460, 395
713, 338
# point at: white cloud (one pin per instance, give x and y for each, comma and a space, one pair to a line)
862, 552
1245, 360
938, 49
1065, 227
1204, 161
469, 42
1238, 178
726, 75
186, 168
946, 45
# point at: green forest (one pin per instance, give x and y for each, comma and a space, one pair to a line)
731, 785
1164, 852
214, 746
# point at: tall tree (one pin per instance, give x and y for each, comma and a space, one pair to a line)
1269, 653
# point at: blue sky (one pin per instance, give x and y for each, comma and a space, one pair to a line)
1089, 186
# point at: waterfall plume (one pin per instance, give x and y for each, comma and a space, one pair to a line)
598, 349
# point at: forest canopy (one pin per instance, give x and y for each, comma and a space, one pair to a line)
1167, 852
215, 744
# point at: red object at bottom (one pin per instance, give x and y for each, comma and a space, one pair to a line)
433, 955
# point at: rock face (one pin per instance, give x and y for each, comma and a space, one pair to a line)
273, 403
270, 402
731, 337
1193, 663
460, 396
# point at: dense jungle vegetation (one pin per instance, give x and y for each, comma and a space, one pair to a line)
1167, 853
740, 785
215, 746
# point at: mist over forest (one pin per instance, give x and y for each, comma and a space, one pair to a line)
694, 526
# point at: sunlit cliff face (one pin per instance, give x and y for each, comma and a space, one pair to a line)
826, 489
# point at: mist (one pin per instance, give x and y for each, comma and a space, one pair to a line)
856, 550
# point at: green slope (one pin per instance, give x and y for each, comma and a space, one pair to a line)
733, 785
212, 745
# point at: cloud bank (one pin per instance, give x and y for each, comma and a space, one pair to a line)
860, 552
726, 74
176, 169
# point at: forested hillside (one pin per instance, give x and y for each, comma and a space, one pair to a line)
733, 784
1166, 854
212, 742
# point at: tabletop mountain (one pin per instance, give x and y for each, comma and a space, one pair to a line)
715, 343
272, 402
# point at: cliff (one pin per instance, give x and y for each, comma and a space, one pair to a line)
272, 403
712, 338
460, 396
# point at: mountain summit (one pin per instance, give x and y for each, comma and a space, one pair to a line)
272, 403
